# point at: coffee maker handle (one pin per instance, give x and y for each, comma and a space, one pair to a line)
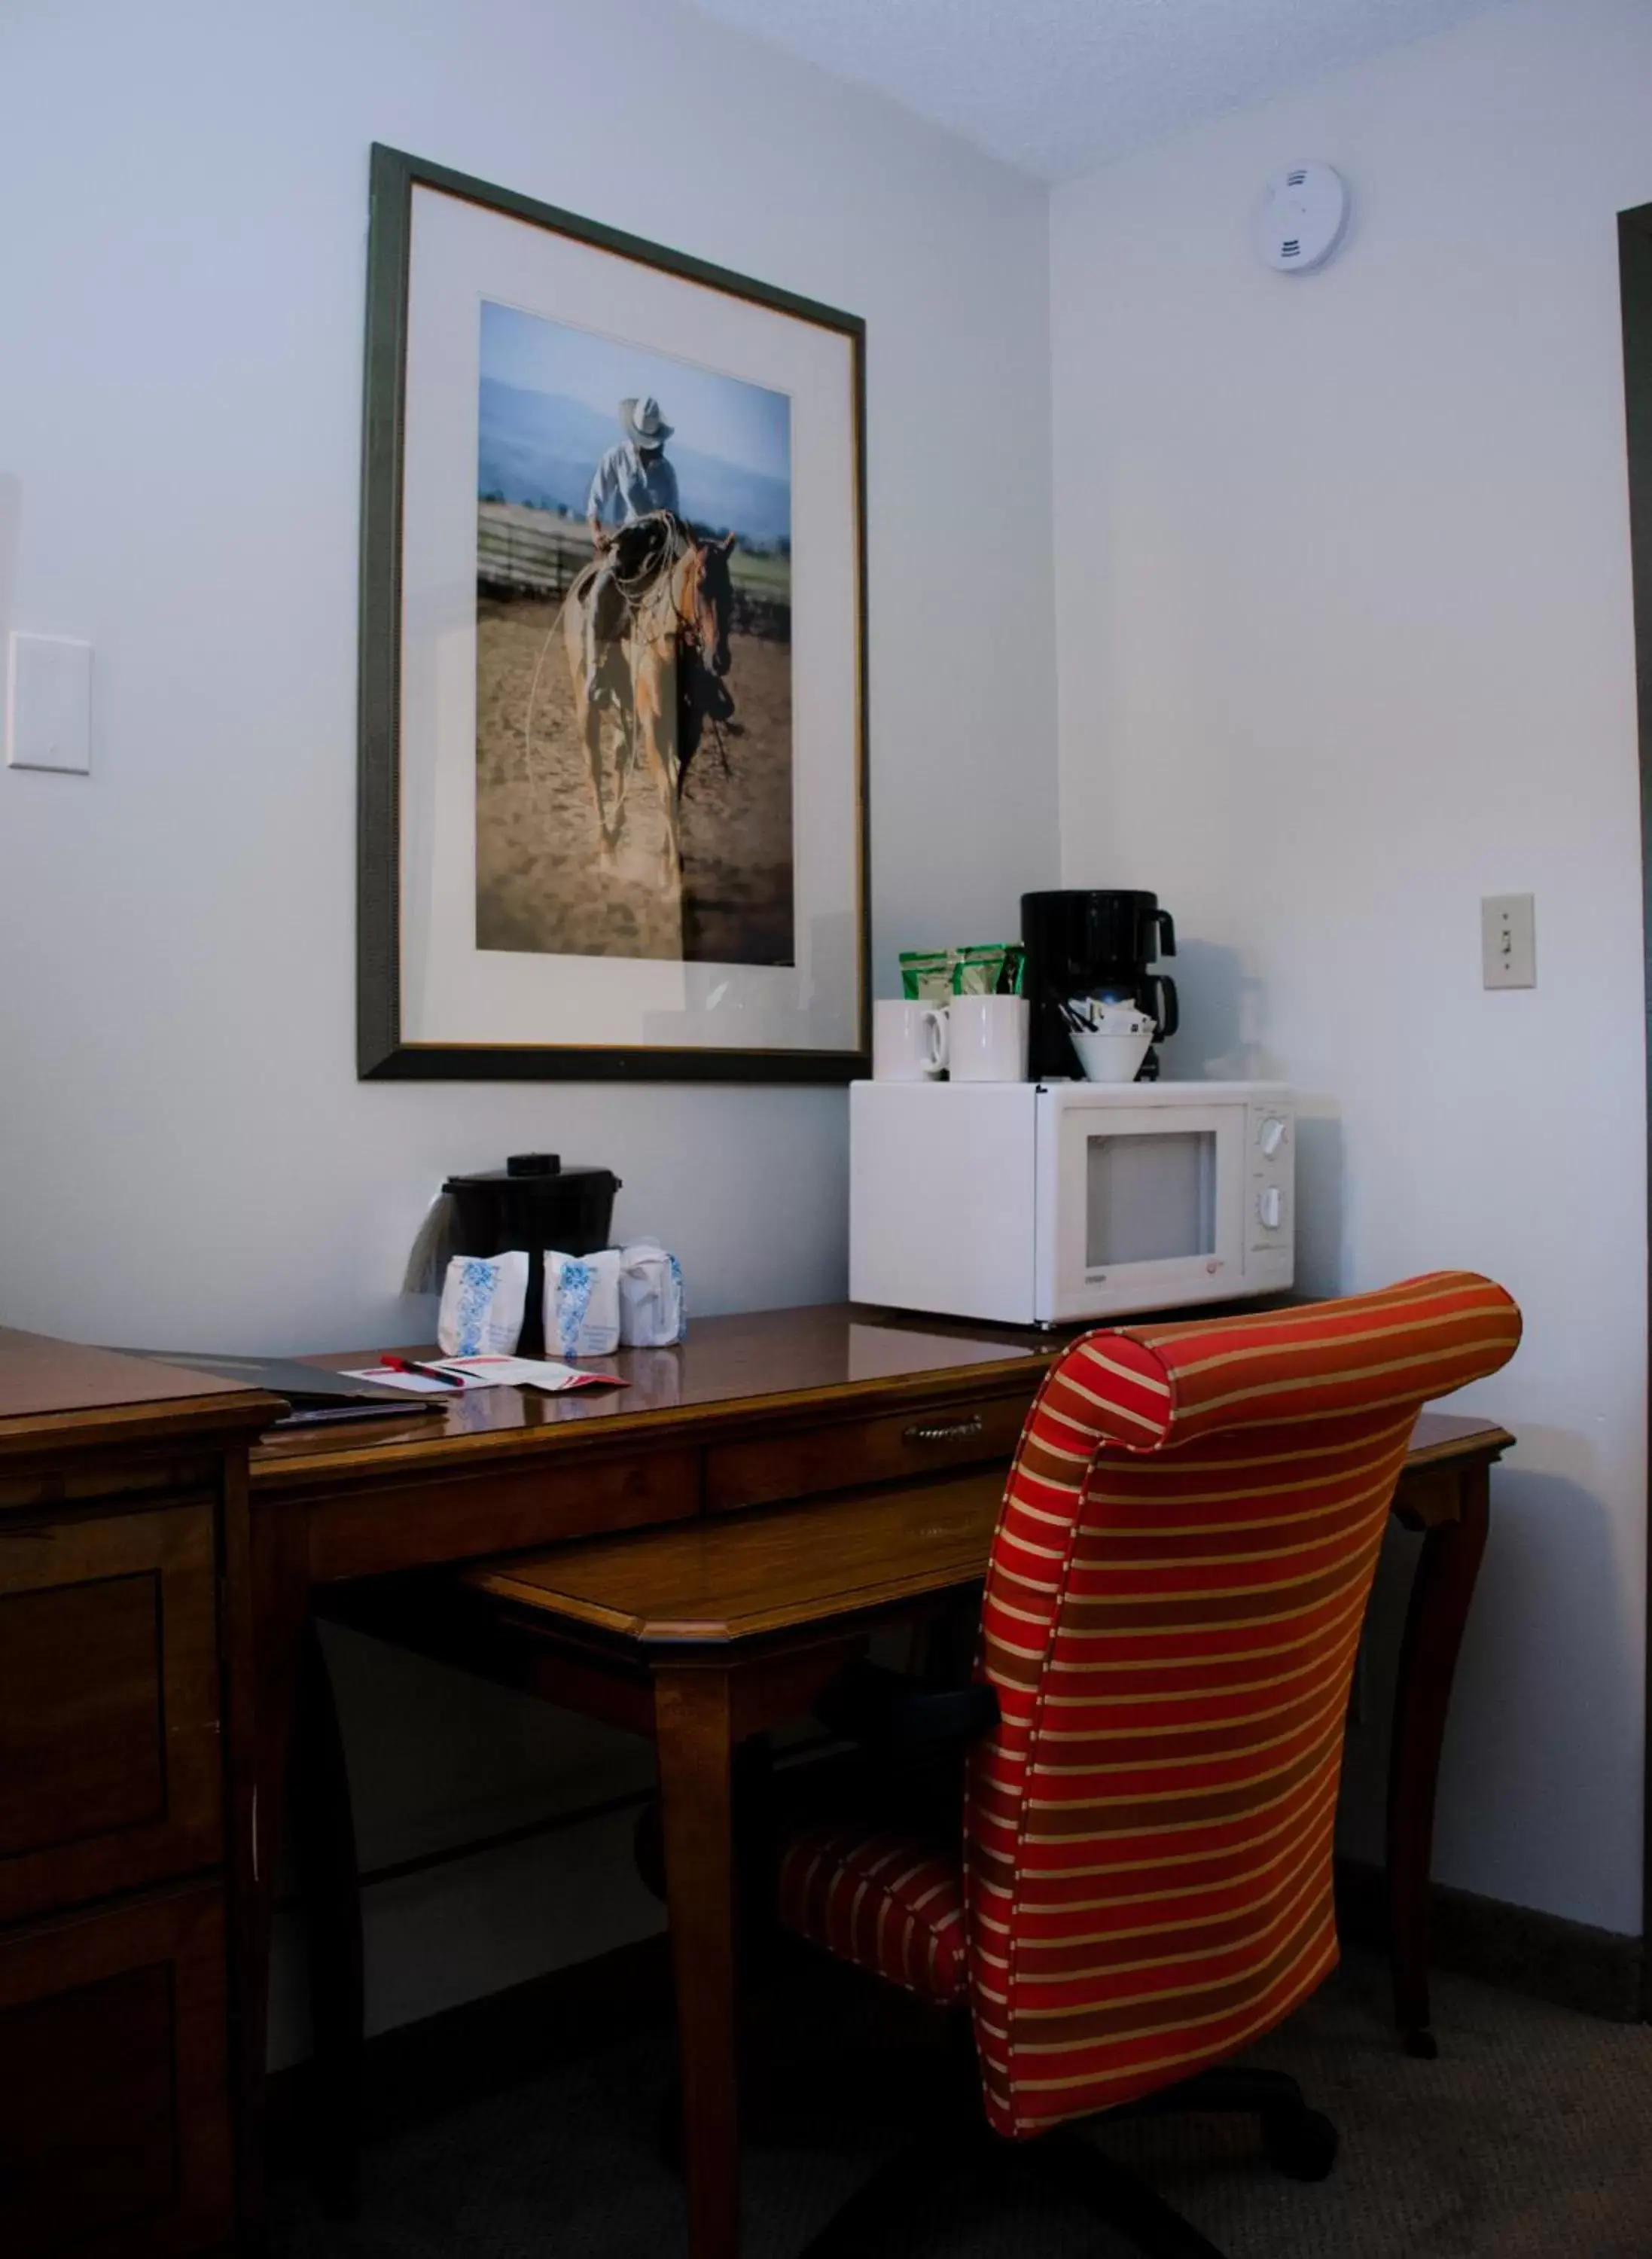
1166, 935
1169, 1014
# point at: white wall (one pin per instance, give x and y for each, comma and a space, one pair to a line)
186, 1156
1343, 616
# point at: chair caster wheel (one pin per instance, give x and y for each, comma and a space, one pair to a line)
1302, 2144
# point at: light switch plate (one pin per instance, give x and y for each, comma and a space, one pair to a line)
49, 704
1509, 941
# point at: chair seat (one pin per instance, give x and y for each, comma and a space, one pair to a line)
891, 1903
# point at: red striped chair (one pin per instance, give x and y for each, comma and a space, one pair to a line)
1172, 1609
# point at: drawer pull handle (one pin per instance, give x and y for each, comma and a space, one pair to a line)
945, 1431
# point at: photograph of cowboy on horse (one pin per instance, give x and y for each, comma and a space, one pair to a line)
633, 709
632, 481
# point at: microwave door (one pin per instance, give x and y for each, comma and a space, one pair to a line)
1141, 1207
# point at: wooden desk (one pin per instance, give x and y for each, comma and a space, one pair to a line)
750, 1412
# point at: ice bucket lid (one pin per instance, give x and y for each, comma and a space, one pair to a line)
527, 1169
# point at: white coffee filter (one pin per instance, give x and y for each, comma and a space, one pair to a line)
1111, 1059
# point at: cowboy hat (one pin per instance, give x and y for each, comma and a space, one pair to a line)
643, 424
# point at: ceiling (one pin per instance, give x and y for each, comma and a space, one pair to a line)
1057, 87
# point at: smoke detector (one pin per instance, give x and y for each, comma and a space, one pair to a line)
1302, 218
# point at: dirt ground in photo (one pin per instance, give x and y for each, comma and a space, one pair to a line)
541, 882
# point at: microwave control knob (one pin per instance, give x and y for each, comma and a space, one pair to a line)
1271, 1208
1272, 1135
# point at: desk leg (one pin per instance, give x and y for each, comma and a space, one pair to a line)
1444, 1586
695, 1744
263, 1673
330, 1888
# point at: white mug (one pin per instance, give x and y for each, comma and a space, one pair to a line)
908, 1040
988, 1038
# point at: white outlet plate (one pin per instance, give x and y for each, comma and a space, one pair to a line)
49, 704
1509, 941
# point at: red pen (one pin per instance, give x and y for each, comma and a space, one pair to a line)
431, 1372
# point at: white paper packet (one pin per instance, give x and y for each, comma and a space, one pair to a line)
653, 1311
483, 1300
581, 1303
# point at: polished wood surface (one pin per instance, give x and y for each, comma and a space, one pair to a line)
1443, 1440
741, 1578
39, 1375
768, 1366
738, 1578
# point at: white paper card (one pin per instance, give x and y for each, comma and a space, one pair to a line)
526, 1373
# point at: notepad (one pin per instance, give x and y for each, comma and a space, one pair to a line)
473, 1372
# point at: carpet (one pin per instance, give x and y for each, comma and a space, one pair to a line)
1526, 2140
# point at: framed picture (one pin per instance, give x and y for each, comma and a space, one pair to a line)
612, 816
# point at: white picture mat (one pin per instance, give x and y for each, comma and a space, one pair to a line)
452, 991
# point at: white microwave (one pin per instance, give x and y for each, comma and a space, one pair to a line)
1057, 1203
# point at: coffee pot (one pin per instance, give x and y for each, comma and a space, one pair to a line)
1093, 942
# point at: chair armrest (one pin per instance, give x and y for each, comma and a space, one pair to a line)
885, 1711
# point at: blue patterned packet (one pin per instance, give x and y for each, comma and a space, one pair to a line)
581, 1303
483, 1300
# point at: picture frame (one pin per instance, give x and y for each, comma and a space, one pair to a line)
612, 785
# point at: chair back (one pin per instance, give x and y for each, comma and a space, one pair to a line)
1173, 1610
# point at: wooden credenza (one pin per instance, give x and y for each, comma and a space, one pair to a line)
123, 1549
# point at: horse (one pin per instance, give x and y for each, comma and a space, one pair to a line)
675, 651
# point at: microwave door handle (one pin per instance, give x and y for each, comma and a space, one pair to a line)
1168, 1015
1167, 933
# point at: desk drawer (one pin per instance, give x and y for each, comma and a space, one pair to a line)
379, 1532
110, 1755
964, 1431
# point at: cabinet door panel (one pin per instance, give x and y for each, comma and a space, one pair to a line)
110, 1764
114, 2121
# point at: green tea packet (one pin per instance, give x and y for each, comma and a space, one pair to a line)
926, 975
988, 968
980, 968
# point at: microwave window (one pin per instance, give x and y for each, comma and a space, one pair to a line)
1149, 1199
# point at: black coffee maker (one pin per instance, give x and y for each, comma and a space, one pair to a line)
1093, 942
